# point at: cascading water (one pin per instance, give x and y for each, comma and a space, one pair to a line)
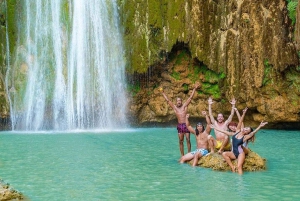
69, 70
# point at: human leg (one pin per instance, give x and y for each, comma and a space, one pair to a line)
187, 157
181, 138
212, 143
196, 158
228, 156
224, 143
245, 149
241, 159
188, 141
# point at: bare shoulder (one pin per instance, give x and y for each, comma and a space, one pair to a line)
206, 133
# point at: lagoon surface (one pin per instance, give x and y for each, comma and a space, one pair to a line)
140, 164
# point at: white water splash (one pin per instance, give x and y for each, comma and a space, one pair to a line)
69, 70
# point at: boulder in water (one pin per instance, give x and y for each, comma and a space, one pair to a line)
215, 161
8, 193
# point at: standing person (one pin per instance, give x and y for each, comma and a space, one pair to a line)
222, 141
180, 110
238, 138
202, 141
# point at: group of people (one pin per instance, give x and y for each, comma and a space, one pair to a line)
231, 149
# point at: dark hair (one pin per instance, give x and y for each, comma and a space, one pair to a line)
252, 139
198, 124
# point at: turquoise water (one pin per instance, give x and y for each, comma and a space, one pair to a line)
140, 164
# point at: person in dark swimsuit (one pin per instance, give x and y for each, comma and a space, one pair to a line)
239, 137
180, 110
236, 143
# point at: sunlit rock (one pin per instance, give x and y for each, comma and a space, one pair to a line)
8, 193
215, 161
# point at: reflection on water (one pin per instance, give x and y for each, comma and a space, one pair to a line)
140, 164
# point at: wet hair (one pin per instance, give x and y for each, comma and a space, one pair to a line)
199, 124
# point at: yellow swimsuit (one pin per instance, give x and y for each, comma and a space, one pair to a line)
226, 148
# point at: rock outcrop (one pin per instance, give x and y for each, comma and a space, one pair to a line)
7, 193
239, 48
253, 162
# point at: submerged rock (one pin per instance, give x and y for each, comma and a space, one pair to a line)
8, 193
253, 162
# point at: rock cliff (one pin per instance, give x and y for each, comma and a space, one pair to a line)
235, 48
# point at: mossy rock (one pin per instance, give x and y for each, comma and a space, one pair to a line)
253, 162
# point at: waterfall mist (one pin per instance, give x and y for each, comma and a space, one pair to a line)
69, 68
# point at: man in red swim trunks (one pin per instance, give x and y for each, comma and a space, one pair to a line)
180, 110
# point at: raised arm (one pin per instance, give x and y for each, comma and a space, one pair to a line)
208, 122
197, 84
233, 101
210, 102
188, 125
239, 116
167, 99
250, 135
239, 126
223, 131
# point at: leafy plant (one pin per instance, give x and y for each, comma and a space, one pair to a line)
291, 6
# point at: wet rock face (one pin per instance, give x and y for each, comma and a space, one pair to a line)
247, 44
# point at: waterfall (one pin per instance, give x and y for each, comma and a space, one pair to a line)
68, 71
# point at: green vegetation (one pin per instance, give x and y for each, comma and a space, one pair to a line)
175, 75
195, 71
182, 56
151, 27
211, 89
13, 8
209, 75
134, 88
185, 87
291, 6
210, 83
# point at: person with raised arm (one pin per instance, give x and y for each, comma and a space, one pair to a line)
238, 138
180, 110
201, 133
233, 126
222, 141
